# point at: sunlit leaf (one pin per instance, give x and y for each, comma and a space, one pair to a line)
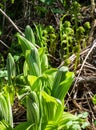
23, 126
52, 107
31, 79
10, 68
5, 126
29, 35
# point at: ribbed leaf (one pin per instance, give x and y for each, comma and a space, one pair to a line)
51, 71
43, 59
64, 86
39, 34
5, 126
25, 44
5, 109
35, 82
31, 79
25, 69
52, 125
23, 126
62, 83
33, 62
44, 63
33, 108
68, 121
50, 74
26, 126
52, 108
29, 35
10, 116
10, 68
60, 76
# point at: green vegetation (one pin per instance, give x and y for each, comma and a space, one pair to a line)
29, 74
42, 91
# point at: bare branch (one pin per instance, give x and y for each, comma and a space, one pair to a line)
91, 49
4, 44
11, 22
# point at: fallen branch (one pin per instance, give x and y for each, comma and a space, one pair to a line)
83, 79
15, 26
4, 44
91, 49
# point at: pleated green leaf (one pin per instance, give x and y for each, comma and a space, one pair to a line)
33, 62
43, 59
31, 79
52, 108
29, 35
52, 125
25, 44
69, 121
10, 68
26, 126
5, 126
64, 86
44, 63
33, 108
35, 82
62, 83
59, 77
25, 69
5, 109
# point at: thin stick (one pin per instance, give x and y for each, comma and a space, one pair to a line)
4, 44
92, 7
94, 45
11, 22
73, 57
4, 16
93, 24
90, 108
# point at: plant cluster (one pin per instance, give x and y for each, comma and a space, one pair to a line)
40, 88
70, 39
29, 77
71, 34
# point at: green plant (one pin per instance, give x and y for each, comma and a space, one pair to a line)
72, 38
46, 37
5, 108
7, 93
75, 11
12, 1
41, 36
42, 93
48, 2
94, 99
66, 38
46, 102
50, 34
1, 61
72, 41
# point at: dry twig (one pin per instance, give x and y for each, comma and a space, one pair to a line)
91, 49
4, 44
11, 22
